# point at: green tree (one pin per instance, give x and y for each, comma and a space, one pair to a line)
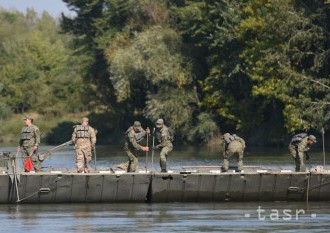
268, 61
37, 72
143, 67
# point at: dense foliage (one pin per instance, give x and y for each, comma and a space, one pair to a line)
37, 70
259, 67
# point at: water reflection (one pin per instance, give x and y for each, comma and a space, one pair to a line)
172, 217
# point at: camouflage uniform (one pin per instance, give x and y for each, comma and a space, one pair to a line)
84, 139
233, 145
30, 137
298, 149
132, 146
164, 139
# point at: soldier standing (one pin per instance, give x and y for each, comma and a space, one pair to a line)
233, 145
298, 147
84, 139
164, 139
30, 140
134, 136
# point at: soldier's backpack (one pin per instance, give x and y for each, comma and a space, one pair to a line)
298, 137
241, 140
228, 138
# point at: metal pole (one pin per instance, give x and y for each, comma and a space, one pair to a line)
147, 152
323, 147
153, 151
15, 177
95, 157
307, 191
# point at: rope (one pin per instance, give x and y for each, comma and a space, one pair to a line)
18, 201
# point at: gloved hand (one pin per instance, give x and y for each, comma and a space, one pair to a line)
93, 148
145, 148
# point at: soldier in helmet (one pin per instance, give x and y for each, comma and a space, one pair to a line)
84, 139
298, 148
134, 135
164, 139
233, 145
29, 141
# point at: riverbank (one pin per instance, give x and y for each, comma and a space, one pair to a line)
52, 129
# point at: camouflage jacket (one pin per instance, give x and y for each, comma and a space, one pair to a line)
241, 140
30, 136
83, 136
163, 137
302, 146
133, 138
231, 139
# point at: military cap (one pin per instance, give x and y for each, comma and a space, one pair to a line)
226, 135
312, 138
28, 117
137, 124
84, 119
160, 122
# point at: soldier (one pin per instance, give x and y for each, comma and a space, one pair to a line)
164, 138
30, 140
84, 139
298, 147
134, 135
233, 145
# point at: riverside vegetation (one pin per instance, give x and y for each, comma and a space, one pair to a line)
256, 67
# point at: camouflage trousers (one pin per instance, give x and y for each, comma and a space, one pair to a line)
229, 154
83, 159
132, 161
298, 158
163, 157
28, 152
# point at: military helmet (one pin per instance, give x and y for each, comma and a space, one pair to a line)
159, 123
312, 138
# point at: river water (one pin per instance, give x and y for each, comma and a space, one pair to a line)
171, 217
